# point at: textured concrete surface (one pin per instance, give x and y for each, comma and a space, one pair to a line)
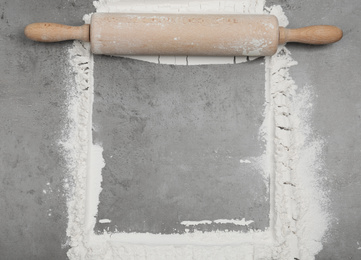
32, 110
173, 138
33, 214
333, 71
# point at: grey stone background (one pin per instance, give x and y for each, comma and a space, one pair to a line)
173, 137
334, 72
32, 112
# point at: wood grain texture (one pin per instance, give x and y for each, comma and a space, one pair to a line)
317, 34
184, 34
52, 32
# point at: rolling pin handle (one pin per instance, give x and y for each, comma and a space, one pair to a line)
52, 32
317, 34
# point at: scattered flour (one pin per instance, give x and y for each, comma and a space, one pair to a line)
195, 223
238, 222
298, 219
244, 161
105, 221
298, 215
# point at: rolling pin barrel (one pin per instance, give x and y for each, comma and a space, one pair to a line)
183, 34
170, 34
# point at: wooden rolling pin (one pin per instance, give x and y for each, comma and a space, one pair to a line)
183, 34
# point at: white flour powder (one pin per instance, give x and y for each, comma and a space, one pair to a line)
298, 220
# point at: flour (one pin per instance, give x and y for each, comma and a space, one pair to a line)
77, 144
298, 216
244, 161
238, 222
103, 221
291, 163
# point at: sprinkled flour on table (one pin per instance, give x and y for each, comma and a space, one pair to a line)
291, 163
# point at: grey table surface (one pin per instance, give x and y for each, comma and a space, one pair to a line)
33, 214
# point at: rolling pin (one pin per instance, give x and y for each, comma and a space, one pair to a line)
183, 34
